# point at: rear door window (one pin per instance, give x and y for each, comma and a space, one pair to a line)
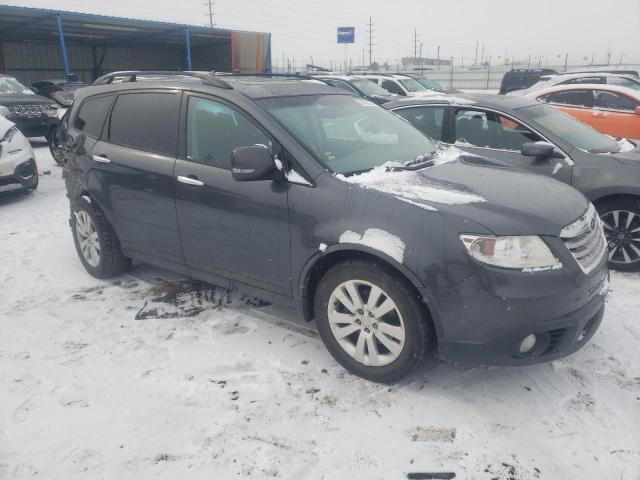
92, 114
214, 130
393, 87
428, 120
613, 101
146, 121
491, 130
576, 98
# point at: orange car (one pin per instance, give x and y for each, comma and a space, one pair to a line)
610, 109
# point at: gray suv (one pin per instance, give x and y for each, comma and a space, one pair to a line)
301, 194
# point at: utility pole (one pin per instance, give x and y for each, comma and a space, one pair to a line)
210, 4
438, 57
506, 52
529, 63
482, 54
475, 59
415, 44
621, 56
566, 59
420, 61
609, 56
370, 32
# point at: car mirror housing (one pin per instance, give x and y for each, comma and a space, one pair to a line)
539, 149
252, 163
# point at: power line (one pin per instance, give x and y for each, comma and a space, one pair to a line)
210, 4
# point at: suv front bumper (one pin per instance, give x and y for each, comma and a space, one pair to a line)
24, 175
485, 319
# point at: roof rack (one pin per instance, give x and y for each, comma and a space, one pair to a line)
207, 78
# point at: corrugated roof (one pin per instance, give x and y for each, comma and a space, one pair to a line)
27, 23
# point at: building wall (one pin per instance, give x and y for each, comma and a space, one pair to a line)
31, 61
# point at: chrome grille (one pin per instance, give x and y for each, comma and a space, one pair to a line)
585, 240
30, 109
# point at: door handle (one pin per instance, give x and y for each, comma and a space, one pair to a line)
100, 159
190, 180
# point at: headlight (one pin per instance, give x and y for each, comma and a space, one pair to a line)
528, 253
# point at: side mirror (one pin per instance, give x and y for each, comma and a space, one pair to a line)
252, 163
538, 149
638, 110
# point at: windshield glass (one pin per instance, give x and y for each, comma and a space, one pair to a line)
572, 131
10, 85
625, 82
431, 84
369, 88
349, 134
412, 85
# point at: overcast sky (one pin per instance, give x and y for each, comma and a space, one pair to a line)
551, 28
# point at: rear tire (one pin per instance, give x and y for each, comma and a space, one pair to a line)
96, 242
372, 321
56, 152
621, 220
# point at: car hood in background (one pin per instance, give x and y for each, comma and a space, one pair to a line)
24, 99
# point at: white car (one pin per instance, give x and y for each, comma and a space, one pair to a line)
18, 168
401, 85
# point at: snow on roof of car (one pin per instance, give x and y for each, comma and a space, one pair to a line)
266, 87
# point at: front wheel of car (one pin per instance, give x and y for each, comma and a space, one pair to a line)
96, 242
372, 321
621, 221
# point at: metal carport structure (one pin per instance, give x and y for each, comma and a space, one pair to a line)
37, 44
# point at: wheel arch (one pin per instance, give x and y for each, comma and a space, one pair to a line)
321, 262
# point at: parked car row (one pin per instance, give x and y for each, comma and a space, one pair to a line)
304, 194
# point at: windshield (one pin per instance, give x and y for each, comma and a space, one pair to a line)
349, 134
412, 85
369, 88
10, 85
625, 82
572, 131
431, 84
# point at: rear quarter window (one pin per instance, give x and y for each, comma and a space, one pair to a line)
92, 114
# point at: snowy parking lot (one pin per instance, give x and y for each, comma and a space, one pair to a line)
153, 376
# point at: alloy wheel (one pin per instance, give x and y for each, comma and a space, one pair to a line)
366, 323
87, 238
622, 230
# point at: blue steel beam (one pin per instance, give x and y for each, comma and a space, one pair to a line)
187, 41
63, 48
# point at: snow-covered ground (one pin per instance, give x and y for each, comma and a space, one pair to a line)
152, 376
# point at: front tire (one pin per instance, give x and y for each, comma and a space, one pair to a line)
96, 242
621, 221
56, 152
372, 321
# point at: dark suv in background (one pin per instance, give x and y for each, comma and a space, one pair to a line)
521, 78
301, 194
26, 110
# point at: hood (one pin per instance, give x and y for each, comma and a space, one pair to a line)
24, 99
504, 201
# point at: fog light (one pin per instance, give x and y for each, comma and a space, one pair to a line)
527, 343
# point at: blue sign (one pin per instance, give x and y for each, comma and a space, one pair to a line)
346, 34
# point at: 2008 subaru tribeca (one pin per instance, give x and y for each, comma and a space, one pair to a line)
299, 193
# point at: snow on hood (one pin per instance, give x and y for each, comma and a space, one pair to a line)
625, 145
377, 239
405, 186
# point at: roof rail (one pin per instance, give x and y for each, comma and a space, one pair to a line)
207, 78
297, 75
